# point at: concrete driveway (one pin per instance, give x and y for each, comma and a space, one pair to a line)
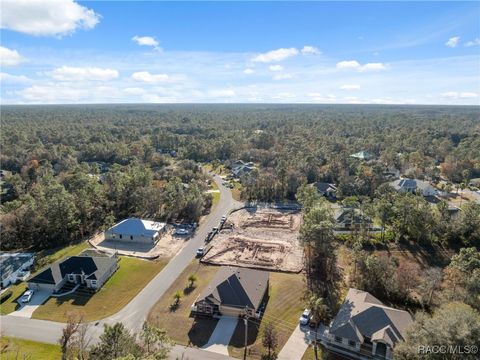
221, 336
38, 298
296, 345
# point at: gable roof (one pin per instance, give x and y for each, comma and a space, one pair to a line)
94, 267
323, 187
10, 263
237, 287
363, 315
363, 155
411, 184
137, 227
350, 215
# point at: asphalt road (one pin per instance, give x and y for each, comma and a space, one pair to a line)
134, 314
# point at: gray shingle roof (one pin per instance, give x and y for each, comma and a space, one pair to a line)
10, 263
237, 287
362, 315
137, 227
95, 267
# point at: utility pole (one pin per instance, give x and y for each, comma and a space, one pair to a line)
245, 322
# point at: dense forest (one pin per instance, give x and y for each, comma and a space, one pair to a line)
72, 170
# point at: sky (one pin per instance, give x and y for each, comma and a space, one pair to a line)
67, 52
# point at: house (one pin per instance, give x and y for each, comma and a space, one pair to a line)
13, 266
136, 230
240, 167
391, 172
414, 186
233, 291
364, 328
363, 155
349, 218
325, 189
89, 271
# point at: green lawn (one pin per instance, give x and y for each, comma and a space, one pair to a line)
310, 353
13, 349
131, 277
42, 259
283, 309
176, 321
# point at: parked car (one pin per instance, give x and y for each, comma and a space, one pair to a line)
224, 218
181, 231
27, 296
305, 318
215, 230
209, 237
200, 252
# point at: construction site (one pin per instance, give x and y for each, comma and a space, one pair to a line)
262, 238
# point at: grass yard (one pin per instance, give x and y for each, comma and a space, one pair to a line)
283, 309
42, 259
176, 321
13, 349
10, 304
125, 283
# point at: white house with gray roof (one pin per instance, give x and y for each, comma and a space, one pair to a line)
136, 230
12, 265
414, 186
364, 328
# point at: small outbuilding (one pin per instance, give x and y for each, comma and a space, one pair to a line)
136, 230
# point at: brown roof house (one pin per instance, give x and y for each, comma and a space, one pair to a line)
234, 292
365, 328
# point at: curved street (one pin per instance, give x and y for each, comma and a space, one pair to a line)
134, 313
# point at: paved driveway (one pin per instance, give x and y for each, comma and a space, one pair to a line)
38, 298
295, 346
221, 336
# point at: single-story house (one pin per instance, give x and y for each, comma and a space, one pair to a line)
414, 186
364, 328
326, 189
136, 230
89, 271
233, 291
349, 217
240, 167
12, 265
363, 155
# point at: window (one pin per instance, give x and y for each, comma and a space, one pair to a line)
120, 236
131, 237
94, 283
71, 277
352, 343
338, 339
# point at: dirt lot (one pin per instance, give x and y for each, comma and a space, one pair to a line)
260, 238
168, 245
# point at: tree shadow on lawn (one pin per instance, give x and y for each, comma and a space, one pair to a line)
189, 289
201, 330
77, 299
238, 337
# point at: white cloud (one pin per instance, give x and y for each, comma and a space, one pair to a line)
222, 93
134, 91
9, 57
459, 95
146, 41
13, 79
310, 50
350, 87
70, 73
282, 77
46, 17
453, 41
318, 97
275, 67
355, 65
145, 76
53, 93
275, 55
248, 71
474, 42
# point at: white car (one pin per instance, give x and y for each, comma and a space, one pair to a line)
224, 218
305, 318
181, 231
200, 252
27, 296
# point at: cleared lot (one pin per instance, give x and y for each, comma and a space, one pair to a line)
260, 238
167, 246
